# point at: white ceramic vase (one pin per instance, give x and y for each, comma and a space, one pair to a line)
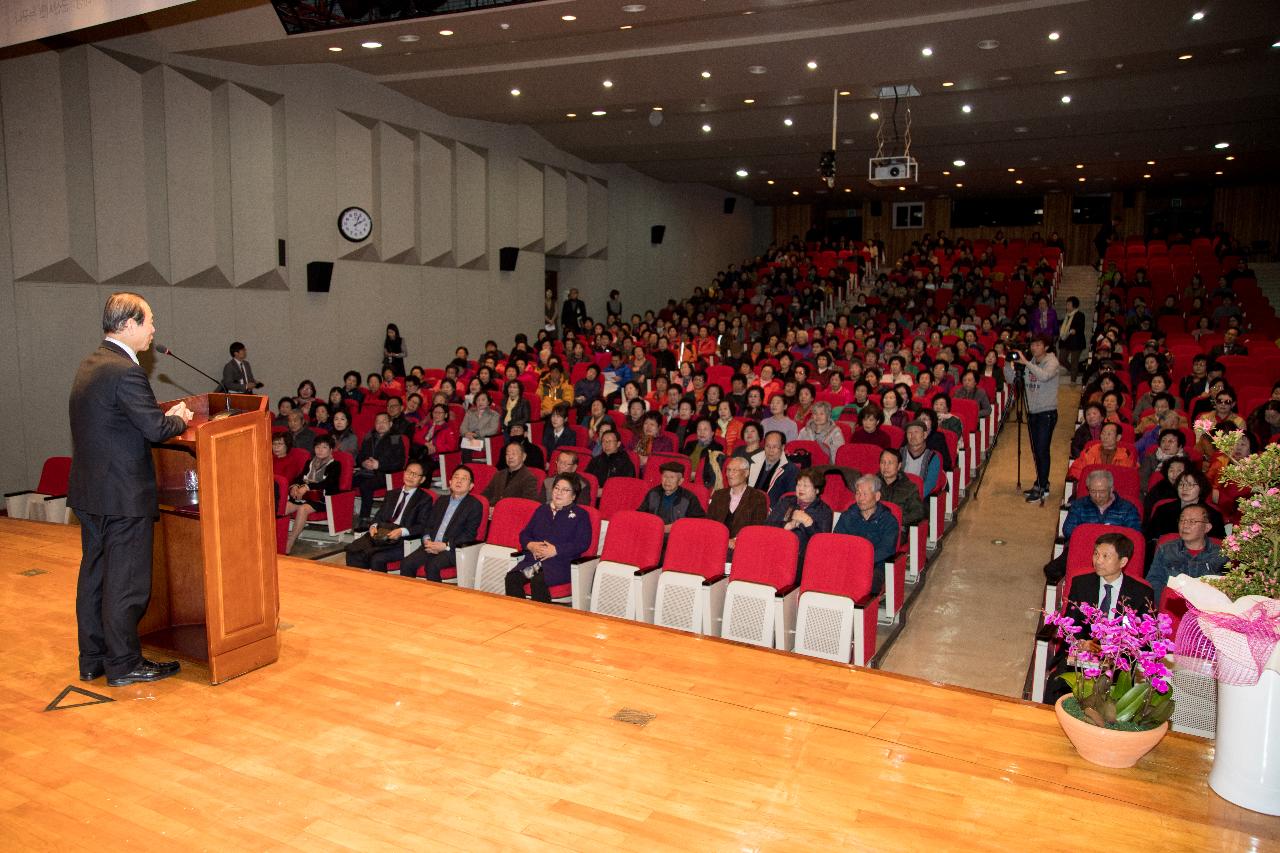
1246, 764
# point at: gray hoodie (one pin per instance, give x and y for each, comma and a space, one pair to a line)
1042, 383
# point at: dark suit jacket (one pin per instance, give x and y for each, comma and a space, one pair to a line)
389, 451
233, 381
752, 509
114, 420
463, 527
504, 484
550, 442
415, 512
1085, 588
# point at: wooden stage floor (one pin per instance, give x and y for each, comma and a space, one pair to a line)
403, 715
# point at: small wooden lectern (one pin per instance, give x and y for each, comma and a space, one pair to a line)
214, 594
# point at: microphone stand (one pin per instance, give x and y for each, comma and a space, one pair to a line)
164, 350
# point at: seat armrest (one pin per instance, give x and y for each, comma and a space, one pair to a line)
866, 601
516, 554
715, 580
23, 492
54, 498
1060, 540
784, 591
585, 558
646, 570
467, 544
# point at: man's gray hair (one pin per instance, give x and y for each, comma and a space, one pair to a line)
1101, 474
122, 307
871, 479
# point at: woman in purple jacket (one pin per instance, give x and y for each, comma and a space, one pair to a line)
558, 533
1044, 319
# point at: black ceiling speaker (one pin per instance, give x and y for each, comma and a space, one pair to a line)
319, 276
656, 234
729, 203
507, 256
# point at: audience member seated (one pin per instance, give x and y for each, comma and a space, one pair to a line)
803, 513
651, 439
400, 424
778, 420
670, 501
381, 453
703, 445
306, 493
822, 429
566, 462
344, 439
283, 407
893, 410
454, 520
439, 435
534, 457
612, 461
771, 471
555, 390
737, 505
898, 489
558, 533
1171, 445
1108, 451
942, 411
401, 516
1108, 588
515, 408
1100, 505
1192, 488
751, 441
557, 433
969, 390
918, 459
1193, 553
514, 480
874, 522
479, 423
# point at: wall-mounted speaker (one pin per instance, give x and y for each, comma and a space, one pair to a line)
656, 233
729, 204
877, 208
507, 256
319, 276
280, 254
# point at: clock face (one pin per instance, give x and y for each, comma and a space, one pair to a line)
355, 224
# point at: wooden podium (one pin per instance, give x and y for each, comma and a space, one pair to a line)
214, 594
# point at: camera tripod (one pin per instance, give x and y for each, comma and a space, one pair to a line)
1021, 415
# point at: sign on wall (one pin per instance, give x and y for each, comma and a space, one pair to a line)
28, 20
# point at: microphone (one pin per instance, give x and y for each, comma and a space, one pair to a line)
164, 350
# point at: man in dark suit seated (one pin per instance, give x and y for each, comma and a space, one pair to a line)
402, 516
613, 461
454, 520
771, 471
1109, 589
737, 505
237, 374
381, 453
670, 501
514, 481
112, 488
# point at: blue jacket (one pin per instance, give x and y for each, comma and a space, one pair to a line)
1083, 510
1173, 558
818, 511
881, 530
569, 530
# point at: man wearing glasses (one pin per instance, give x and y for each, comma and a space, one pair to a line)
1193, 553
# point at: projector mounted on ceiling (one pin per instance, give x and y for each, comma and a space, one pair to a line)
893, 163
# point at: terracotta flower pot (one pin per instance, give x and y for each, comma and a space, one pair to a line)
1107, 747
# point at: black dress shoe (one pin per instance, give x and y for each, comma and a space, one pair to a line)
93, 673
145, 671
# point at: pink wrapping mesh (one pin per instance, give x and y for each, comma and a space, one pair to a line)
1238, 645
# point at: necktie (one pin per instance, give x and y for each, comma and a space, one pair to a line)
244, 375
395, 517
1106, 599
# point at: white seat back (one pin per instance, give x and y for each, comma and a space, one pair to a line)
825, 626
492, 567
749, 613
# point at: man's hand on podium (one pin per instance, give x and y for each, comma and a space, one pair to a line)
180, 409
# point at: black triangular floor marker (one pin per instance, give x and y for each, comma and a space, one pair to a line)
97, 699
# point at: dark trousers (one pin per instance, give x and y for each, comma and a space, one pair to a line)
113, 590
1040, 428
434, 564
538, 590
367, 482
1071, 358
364, 553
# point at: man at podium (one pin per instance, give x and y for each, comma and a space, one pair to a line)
112, 488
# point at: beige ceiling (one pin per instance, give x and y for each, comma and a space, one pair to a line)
1132, 98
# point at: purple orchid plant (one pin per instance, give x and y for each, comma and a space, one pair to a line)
1120, 676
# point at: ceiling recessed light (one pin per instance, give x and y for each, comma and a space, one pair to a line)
446, 32
795, 192
608, 84
1020, 129
1011, 169
967, 108
1184, 57
844, 93
1230, 157
959, 164
902, 189
1081, 180
788, 122
706, 75
988, 44
502, 26
1275, 44
625, 27
515, 93
1079, 165
946, 172
1219, 172
846, 189
408, 38
1198, 16
742, 173
706, 128
1221, 145
570, 115
1147, 175
634, 7
335, 49
1151, 162
748, 100
568, 17
1018, 181
770, 182
875, 116
598, 113
1054, 36
947, 84
657, 109
756, 69
1066, 99
926, 51
371, 45
811, 65
1059, 72
958, 184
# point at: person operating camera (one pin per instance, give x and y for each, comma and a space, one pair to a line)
1039, 369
